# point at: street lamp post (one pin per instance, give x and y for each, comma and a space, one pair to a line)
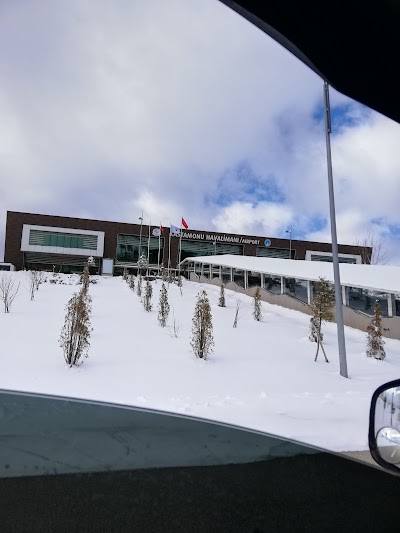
290, 241
335, 253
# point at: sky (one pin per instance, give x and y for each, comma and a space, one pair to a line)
182, 108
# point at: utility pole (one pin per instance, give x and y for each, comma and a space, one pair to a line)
335, 253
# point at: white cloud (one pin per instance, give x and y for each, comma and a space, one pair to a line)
264, 218
111, 108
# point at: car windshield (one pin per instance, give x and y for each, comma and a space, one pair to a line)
46, 435
166, 223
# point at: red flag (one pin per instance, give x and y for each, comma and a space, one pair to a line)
184, 223
162, 229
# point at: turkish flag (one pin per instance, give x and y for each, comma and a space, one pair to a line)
162, 229
184, 224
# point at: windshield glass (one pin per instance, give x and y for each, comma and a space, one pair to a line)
42, 435
166, 224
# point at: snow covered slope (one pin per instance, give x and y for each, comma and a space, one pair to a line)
261, 375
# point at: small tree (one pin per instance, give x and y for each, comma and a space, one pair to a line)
132, 282
372, 249
139, 285
32, 283
163, 272
8, 291
125, 274
163, 307
176, 326
375, 341
313, 336
221, 300
238, 305
148, 293
323, 311
257, 313
39, 277
85, 278
179, 283
75, 334
202, 329
35, 280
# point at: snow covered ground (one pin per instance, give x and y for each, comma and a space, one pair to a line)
261, 375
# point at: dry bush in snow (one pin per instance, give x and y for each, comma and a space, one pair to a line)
8, 291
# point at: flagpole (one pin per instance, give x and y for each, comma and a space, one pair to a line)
180, 248
140, 241
169, 250
148, 250
159, 249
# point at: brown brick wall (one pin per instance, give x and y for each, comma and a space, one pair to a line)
15, 221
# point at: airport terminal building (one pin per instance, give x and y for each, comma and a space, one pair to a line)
36, 241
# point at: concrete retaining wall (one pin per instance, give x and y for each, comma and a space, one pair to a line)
351, 318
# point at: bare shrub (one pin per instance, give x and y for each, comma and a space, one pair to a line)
257, 313
202, 329
221, 299
75, 334
375, 342
176, 326
323, 311
85, 278
139, 285
238, 306
148, 293
163, 306
8, 291
32, 283
373, 249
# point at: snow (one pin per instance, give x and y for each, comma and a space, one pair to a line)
381, 278
261, 375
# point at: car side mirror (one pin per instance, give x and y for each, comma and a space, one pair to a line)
384, 426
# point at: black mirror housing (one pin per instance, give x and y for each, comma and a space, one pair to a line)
384, 426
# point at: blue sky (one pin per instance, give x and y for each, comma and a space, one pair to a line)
182, 108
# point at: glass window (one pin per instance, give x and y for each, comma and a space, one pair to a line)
238, 277
254, 279
226, 274
363, 300
280, 253
201, 248
62, 240
272, 284
329, 259
129, 247
296, 288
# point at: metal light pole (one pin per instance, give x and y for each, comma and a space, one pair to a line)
140, 240
335, 253
290, 241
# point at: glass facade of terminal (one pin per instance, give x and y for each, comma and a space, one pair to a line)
128, 247
62, 240
279, 253
199, 248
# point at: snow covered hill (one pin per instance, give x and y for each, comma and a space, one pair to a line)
261, 375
